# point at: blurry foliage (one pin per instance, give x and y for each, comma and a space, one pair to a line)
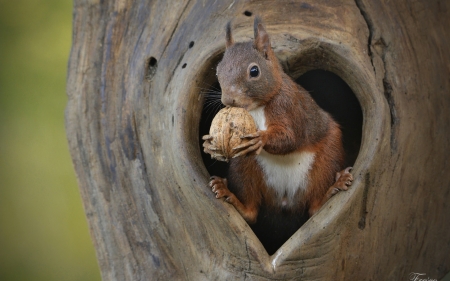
43, 230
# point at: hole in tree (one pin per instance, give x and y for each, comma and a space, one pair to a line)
333, 95
184, 65
191, 44
211, 106
248, 13
210, 92
152, 64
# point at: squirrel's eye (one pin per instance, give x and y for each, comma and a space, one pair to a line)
254, 71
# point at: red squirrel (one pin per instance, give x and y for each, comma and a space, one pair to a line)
292, 162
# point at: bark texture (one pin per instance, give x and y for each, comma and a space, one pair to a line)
136, 71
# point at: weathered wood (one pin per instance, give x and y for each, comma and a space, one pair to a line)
135, 73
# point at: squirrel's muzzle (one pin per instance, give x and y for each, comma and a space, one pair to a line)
228, 100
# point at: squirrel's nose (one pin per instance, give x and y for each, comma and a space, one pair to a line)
227, 100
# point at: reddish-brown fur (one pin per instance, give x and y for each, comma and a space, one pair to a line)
294, 122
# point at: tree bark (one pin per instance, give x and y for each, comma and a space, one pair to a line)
135, 75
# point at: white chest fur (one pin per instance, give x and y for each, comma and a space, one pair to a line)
259, 117
285, 173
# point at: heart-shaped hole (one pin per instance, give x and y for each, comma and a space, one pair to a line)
332, 94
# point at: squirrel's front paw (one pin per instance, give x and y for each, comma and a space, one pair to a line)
254, 145
211, 149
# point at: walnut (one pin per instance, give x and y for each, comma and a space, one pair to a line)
227, 128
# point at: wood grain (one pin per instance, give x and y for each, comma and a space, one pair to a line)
134, 106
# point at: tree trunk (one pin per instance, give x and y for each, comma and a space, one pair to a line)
136, 71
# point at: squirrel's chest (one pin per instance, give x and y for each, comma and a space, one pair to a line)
286, 174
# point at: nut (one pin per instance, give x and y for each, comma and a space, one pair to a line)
227, 129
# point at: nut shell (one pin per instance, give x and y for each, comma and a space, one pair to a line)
227, 128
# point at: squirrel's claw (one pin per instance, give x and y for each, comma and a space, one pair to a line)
208, 147
207, 137
247, 144
344, 179
211, 149
219, 187
219, 157
251, 136
254, 145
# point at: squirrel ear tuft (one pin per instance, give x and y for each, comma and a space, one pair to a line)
229, 37
262, 41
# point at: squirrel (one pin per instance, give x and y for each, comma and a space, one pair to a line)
294, 161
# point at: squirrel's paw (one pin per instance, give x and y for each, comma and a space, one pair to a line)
211, 149
254, 145
343, 180
219, 187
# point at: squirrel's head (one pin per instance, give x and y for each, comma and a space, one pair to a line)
249, 73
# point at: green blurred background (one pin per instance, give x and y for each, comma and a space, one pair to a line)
43, 230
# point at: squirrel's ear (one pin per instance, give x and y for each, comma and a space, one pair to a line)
262, 41
229, 37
